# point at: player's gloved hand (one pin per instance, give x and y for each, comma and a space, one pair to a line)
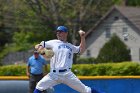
40, 49
48, 53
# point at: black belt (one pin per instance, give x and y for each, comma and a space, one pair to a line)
61, 70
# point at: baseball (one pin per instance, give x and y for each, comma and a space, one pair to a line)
81, 32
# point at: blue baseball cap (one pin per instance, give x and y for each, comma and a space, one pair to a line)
62, 28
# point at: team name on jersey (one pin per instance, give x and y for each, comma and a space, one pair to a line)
65, 46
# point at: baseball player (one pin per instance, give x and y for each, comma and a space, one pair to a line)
61, 63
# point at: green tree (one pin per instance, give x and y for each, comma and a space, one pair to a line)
40, 17
133, 2
5, 30
4, 36
114, 51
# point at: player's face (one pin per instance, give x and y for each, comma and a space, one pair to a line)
61, 35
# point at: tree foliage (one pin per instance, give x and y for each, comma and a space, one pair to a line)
133, 2
38, 19
4, 36
5, 32
114, 51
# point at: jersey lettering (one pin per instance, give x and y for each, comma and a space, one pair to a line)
65, 46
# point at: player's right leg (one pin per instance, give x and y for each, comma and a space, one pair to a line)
45, 83
37, 91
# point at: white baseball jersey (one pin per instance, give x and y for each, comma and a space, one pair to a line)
63, 53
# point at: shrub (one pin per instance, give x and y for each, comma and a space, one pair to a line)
13, 70
90, 60
114, 51
109, 69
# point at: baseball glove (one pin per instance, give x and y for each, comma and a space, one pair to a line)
47, 53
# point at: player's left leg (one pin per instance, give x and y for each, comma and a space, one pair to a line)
72, 81
93, 90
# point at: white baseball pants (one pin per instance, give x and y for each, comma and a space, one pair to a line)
68, 78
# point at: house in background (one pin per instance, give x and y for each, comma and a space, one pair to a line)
124, 22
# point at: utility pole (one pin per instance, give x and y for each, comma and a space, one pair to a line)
75, 33
76, 29
124, 2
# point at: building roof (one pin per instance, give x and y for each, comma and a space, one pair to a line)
130, 13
